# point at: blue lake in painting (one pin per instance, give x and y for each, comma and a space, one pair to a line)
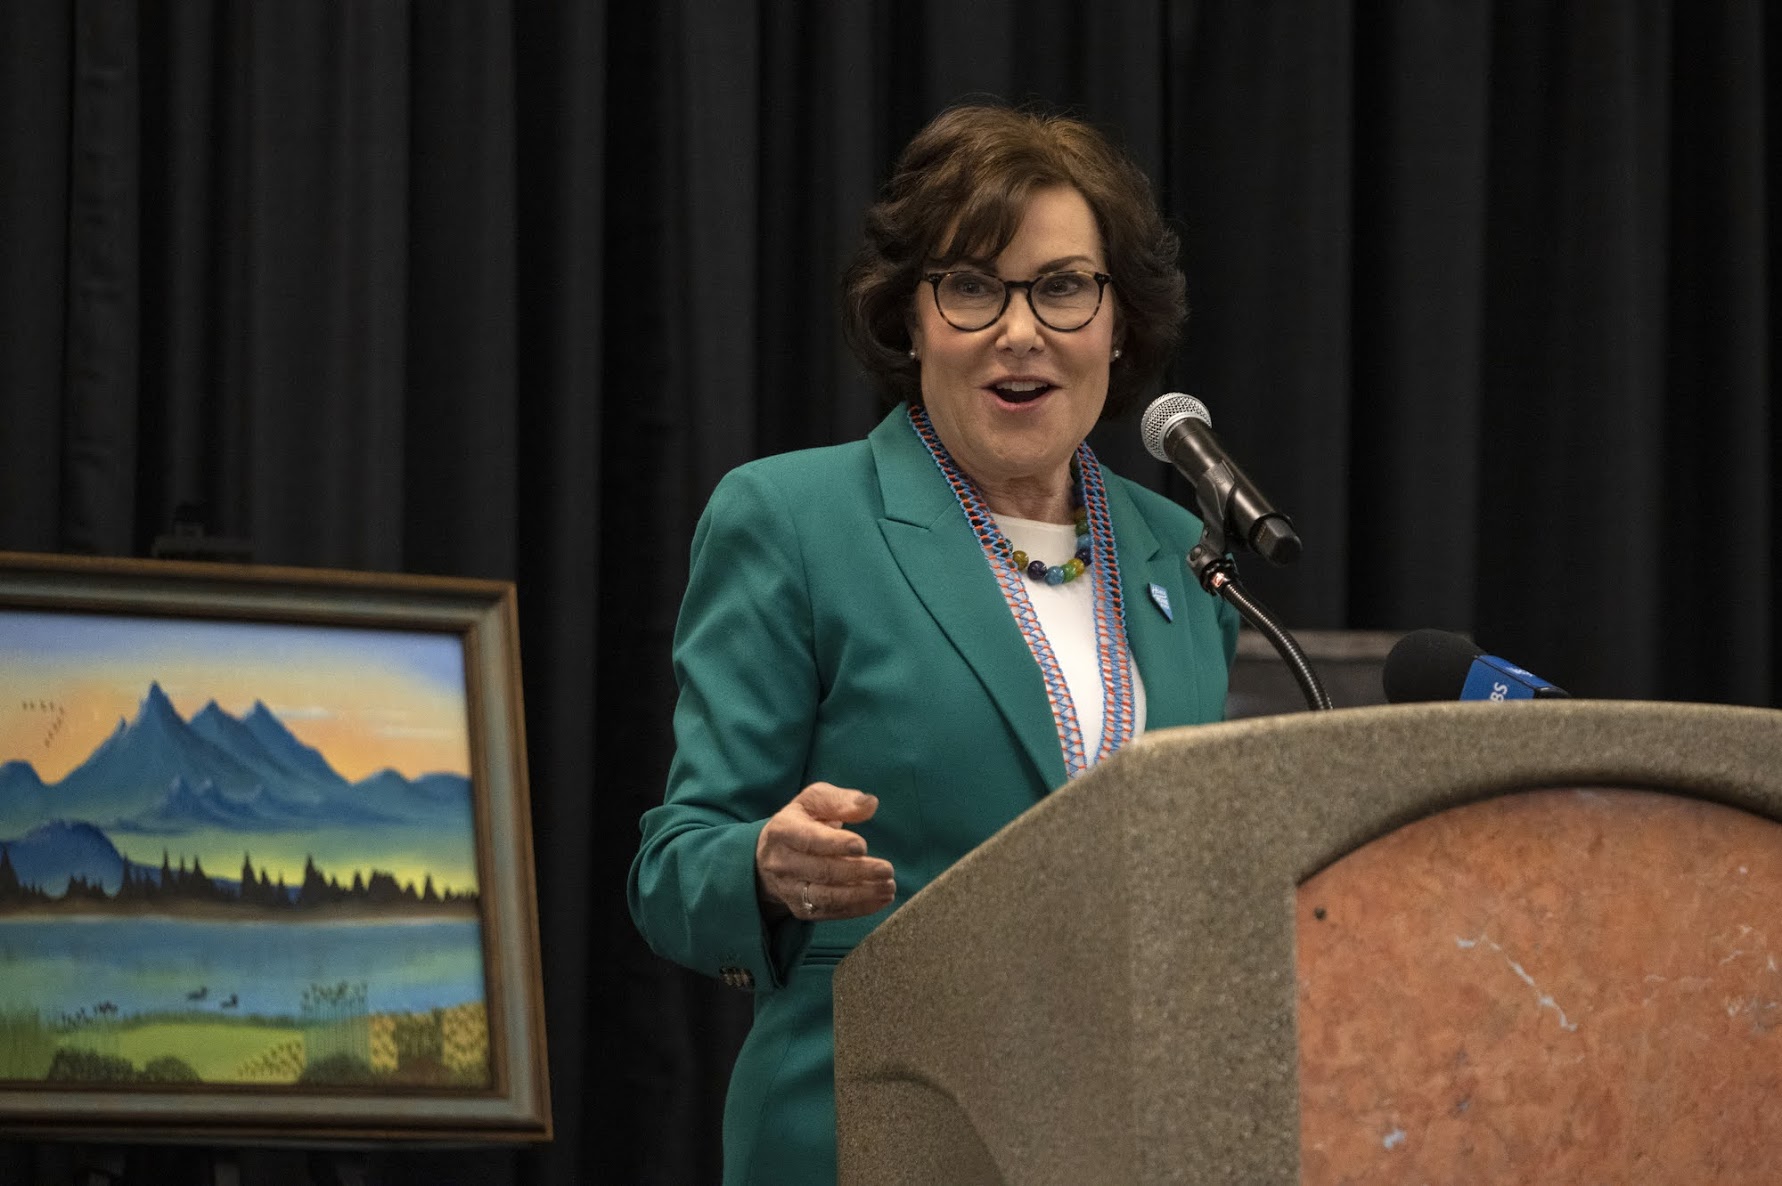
168, 965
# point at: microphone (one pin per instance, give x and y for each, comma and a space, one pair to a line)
1178, 429
1437, 665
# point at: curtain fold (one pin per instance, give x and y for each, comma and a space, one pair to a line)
1262, 172
36, 67
1417, 286
560, 180
99, 366
1483, 295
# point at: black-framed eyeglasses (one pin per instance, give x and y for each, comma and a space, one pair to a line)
1063, 301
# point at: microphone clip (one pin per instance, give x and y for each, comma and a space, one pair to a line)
1210, 559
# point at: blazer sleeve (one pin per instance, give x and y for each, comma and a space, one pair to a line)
743, 722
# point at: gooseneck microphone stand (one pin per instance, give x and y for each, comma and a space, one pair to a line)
1217, 574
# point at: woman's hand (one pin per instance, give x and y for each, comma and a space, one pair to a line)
808, 864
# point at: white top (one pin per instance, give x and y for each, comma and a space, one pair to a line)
1067, 615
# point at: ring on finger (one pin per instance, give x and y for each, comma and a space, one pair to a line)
804, 899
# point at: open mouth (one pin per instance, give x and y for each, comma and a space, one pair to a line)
1021, 392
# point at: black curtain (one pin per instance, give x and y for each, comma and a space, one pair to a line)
1483, 294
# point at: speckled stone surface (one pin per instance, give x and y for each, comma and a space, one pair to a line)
1104, 992
1558, 986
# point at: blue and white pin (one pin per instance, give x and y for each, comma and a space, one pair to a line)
1161, 596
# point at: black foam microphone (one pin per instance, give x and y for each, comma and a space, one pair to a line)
1437, 665
1178, 429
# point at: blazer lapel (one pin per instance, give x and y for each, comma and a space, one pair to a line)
941, 559
1163, 648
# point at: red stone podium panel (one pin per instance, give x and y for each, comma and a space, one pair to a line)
1552, 986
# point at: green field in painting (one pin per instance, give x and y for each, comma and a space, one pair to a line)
217, 1050
437, 1047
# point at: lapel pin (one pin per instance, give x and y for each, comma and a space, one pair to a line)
1161, 596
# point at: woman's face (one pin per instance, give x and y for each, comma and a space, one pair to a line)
1012, 401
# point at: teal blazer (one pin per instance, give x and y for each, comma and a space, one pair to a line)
841, 624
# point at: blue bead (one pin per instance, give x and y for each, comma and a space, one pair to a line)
1037, 570
1083, 541
1054, 576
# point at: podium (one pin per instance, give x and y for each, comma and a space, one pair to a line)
1537, 941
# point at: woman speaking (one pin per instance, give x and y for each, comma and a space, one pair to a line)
891, 648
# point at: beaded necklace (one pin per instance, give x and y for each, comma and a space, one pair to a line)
1070, 570
1112, 657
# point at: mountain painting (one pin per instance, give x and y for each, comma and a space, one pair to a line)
239, 853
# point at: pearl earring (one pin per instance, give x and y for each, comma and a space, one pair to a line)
912, 352
1117, 353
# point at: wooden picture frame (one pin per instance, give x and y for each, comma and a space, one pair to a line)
172, 970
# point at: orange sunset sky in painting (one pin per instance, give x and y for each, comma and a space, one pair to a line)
367, 699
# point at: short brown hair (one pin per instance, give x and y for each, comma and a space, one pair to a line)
971, 172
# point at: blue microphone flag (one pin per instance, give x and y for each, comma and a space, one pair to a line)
1492, 678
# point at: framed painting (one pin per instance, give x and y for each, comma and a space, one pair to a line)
265, 856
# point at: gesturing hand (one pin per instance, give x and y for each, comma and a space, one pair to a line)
808, 863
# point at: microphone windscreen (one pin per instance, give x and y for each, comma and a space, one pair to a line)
1164, 411
1427, 665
